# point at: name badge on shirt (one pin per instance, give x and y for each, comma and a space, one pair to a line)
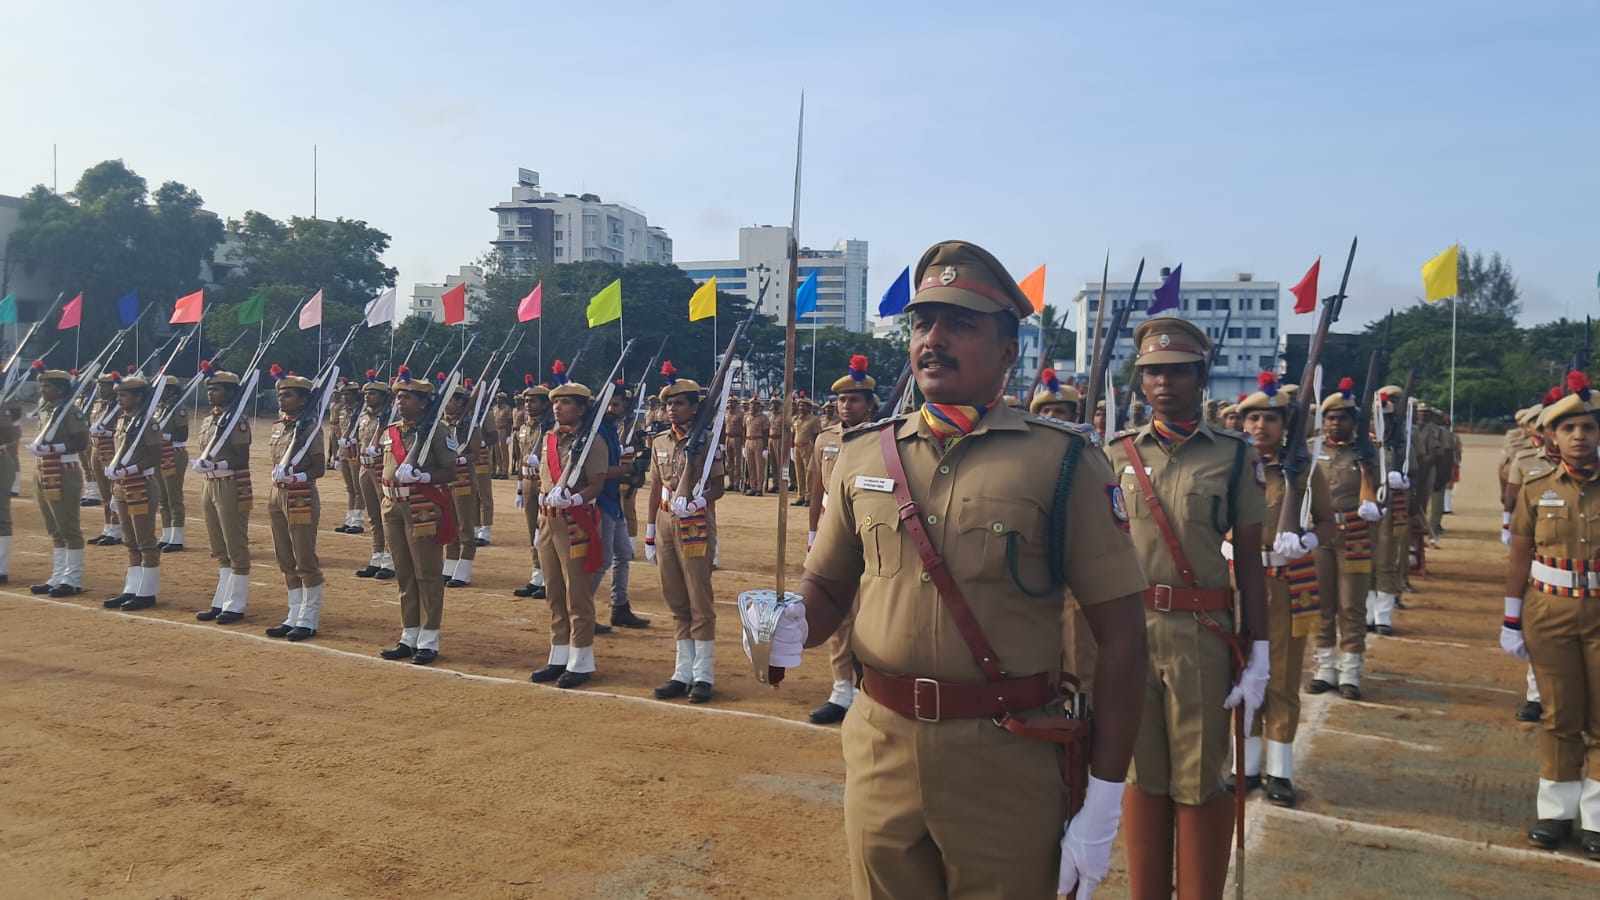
869, 483
1550, 499
1128, 470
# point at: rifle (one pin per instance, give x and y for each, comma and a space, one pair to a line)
86, 376
12, 376
578, 453
144, 365
1296, 458
136, 433
710, 415
240, 401
900, 394
1094, 345
1365, 452
1044, 359
190, 386
418, 456
1406, 402
323, 390
637, 415
1102, 352
572, 364
13, 389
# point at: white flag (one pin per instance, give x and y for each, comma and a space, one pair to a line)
380, 309
311, 313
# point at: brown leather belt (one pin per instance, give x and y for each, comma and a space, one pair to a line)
1166, 598
930, 700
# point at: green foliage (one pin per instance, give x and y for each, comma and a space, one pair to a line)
1487, 287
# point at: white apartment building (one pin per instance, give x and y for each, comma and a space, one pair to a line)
764, 259
536, 228
1242, 314
425, 296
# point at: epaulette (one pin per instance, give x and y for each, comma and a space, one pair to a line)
1547, 473
874, 425
1126, 432
1087, 432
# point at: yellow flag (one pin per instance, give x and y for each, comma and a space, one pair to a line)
703, 305
606, 306
1439, 274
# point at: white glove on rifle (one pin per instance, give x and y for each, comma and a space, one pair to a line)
1227, 550
1505, 528
406, 473
99, 430
1086, 842
532, 460
1511, 640
369, 453
789, 639
561, 498
42, 449
685, 507
650, 543
346, 443
1252, 686
1399, 482
811, 538
520, 502
203, 465
117, 473
1369, 511
1293, 546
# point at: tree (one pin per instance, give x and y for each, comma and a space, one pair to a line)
109, 236
1487, 288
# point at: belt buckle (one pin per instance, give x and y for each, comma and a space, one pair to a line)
916, 699
1162, 601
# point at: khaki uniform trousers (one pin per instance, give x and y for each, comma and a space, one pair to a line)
629, 495
1280, 711
686, 580
1344, 597
1436, 511
956, 808
227, 525
567, 586
733, 464
139, 531
530, 512
483, 491
348, 472
1389, 553
418, 569
1563, 636
295, 545
97, 471
174, 512
61, 517
802, 468
372, 500
755, 464
841, 654
466, 542
1185, 733
8, 477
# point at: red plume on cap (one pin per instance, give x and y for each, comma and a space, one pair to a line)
668, 370
441, 378
276, 371
403, 373
559, 370
1269, 383
73, 371
1578, 383
527, 380
132, 369
466, 383
116, 377
206, 368
1242, 397
1050, 380
622, 382
372, 376
1552, 395
1347, 386
38, 365
1383, 396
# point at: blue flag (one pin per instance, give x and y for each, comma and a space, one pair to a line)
805, 299
8, 310
897, 296
1166, 296
128, 308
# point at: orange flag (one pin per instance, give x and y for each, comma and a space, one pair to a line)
187, 310
1033, 288
454, 302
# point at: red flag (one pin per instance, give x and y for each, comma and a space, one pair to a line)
532, 306
454, 302
71, 314
1305, 293
187, 310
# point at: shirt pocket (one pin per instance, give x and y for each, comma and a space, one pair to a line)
878, 527
1206, 503
994, 532
1552, 531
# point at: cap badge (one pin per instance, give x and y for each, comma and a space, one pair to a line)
948, 275
1164, 340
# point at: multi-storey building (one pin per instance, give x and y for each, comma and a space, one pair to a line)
764, 258
537, 228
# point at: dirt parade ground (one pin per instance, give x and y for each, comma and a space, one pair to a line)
150, 755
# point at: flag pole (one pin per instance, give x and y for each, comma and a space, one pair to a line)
541, 342
1454, 302
813, 393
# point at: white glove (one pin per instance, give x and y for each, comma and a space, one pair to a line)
41, 449
99, 430
650, 543
766, 454
1369, 511
519, 502
1293, 546
561, 498
406, 473
1086, 842
1505, 528
532, 460
282, 475
1511, 640
1399, 482
1227, 550
203, 465
333, 464
790, 637
684, 507
346, 443
115, 473
369, 452
811, 538
1252, 686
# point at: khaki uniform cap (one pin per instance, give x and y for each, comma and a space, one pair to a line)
1168, 339
131, 383
968, 276
294, 381
571, 389
684, 386
1570, 405
1528, 414
1067, 394
220, 376
55, 375
1337, 400
1278, 402
414, 385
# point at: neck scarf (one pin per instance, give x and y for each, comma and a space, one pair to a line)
1173, 434
1584, 472
679, 433
950, 422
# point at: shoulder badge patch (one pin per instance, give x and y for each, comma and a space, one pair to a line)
1119, 506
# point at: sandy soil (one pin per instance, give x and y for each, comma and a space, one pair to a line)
149, 755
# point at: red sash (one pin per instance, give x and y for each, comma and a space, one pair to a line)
436, 494
582, 527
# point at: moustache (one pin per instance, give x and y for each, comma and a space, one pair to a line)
929, 358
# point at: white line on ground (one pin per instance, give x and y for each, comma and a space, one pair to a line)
1543, 857
1405, 640
439, 670
1412, 745
1407, 679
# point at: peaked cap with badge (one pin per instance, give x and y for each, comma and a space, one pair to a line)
1165, 340
968, 276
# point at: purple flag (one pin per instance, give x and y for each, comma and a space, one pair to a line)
1166, 296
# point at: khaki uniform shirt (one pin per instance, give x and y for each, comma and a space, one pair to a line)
147, 455
177, 429
1277, 487
825, 453
1349, 482
73, 433
594, 465
757, 426
734, 426
1559, 513
1530, 465
440, 464
529, 438
284, 433
976, 501
235, 451
369, 429
1192, 484
806, 429
669, 456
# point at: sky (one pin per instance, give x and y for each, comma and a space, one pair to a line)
1231, 137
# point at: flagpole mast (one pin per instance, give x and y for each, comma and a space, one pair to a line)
1454, 302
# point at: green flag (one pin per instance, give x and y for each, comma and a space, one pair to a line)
253, 310
606, 305
8, 310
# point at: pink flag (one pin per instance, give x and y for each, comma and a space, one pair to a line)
311, 313
71, 314
188, 310
531, 306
